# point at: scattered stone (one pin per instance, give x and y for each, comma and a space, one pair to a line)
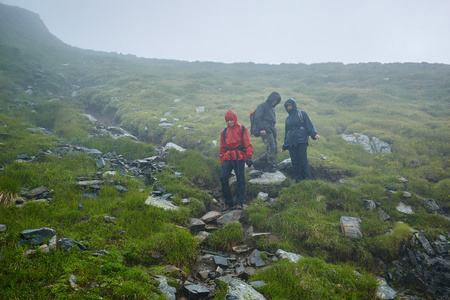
196, 291
196, 225
430, 205
406, 209
384, 291
231, 216
161, 203
166, 289
255, 259
237, 289
276, 178
34, 193
263, 196
369, 205
202, 236
42, 232
210, 216
241, 248
220, 261
174, 146
351, 227
3, 228
382, 215
292, 257
109, 219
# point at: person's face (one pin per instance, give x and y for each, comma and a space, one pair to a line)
230, 123
288, 107
274, 102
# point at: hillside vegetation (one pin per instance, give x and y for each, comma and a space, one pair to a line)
47, 86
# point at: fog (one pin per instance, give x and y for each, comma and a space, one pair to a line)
259, 31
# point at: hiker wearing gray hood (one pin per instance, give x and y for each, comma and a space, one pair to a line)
265, 121
298, 129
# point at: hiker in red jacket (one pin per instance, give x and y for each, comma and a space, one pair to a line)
235, 150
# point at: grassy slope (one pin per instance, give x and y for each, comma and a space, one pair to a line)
410, 111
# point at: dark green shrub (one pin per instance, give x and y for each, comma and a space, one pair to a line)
227, 237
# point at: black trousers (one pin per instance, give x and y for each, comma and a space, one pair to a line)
299, 159
225, 173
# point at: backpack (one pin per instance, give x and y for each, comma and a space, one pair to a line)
253, 130
300, 116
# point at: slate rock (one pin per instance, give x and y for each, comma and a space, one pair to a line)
425, 243
168, 291
196, 225
220, 261
43, 232
231, 216
255, 259
3, 228
196, 291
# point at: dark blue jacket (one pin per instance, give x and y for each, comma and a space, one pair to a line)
265, 118
297, 132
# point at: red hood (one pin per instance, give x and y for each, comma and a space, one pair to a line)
231, 115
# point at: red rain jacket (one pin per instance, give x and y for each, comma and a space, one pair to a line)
234, 138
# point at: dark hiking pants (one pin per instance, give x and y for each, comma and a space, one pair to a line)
239, 169
299, 161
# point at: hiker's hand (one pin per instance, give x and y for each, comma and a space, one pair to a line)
282, 150
249, 162
263, 132
317, 136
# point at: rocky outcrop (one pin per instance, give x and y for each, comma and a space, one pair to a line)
370, 144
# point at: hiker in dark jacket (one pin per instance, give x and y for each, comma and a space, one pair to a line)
265, 121
298, 129
235, 150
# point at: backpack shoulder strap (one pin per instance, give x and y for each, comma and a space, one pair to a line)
225, 134
300, 116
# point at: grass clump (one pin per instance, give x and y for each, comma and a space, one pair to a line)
227, 237
388, 246
312, 278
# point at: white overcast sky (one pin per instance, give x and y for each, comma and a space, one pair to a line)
259, 31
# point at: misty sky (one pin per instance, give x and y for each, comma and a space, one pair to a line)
259, 31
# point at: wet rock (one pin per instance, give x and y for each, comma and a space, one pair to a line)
196, 291
168, 291
231, 216
65, 244
255, 259
41, 232
351, 227
220, 261
35, 193
3, 228
202, 236
237, 289
100, 163
196, 225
